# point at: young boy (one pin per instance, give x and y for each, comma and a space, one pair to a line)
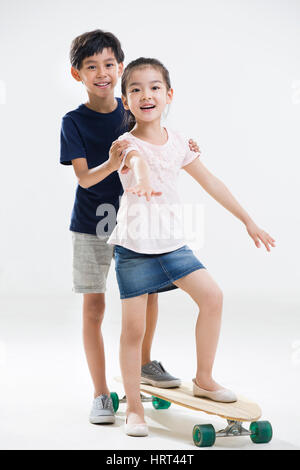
87, 135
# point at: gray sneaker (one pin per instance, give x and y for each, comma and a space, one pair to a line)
102, 411
154, 373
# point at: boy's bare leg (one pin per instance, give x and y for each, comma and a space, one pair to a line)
209, 298
133, 331
93, 313
151, 321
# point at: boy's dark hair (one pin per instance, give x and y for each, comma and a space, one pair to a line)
93, 42
141, 62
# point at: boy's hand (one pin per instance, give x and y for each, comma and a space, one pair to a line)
116, 153
258, 234
194, 146
144, 189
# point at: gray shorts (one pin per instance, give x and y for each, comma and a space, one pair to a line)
91, 262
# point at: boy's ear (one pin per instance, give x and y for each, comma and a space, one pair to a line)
120, 69
75, 74
170, 95
124, 101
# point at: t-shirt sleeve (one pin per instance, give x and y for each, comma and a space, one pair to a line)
71, 144
131, 147
189, 155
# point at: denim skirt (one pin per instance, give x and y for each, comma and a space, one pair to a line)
139, 273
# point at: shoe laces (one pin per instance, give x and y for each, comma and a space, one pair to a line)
102, 402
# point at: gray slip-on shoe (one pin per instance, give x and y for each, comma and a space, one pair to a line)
155, 374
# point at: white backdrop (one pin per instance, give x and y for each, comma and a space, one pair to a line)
235, 70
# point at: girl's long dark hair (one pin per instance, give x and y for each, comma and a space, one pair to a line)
141, 62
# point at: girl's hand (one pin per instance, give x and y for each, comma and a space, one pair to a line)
257, 234
194, 146
144, 189
116, 153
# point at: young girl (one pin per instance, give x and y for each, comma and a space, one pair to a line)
147, 262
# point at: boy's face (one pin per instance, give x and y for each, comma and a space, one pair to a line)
99, 73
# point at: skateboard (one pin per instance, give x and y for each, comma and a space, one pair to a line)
204, 435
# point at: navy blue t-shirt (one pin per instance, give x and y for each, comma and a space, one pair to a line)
89, 134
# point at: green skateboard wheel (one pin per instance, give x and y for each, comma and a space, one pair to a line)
261, 432
115, 400
204, 435
160, 404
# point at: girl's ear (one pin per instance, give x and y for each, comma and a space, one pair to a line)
124, 101
170, 95
75, 74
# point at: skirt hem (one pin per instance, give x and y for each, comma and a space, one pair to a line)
164, 284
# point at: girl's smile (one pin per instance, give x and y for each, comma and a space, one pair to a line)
147, 107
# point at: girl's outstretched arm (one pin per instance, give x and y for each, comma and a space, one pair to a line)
217, 189
140, 169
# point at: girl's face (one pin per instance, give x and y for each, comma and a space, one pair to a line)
147, 94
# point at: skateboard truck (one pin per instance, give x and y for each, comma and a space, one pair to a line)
260, 432
234, 428
143, 399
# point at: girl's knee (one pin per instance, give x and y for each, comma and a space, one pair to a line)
133, 335
212, 298
134, 319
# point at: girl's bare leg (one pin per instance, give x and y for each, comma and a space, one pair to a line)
209, 298
93, 313
151, 321
133, 331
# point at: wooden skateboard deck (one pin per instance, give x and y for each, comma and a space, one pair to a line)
241, 410
204, 435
